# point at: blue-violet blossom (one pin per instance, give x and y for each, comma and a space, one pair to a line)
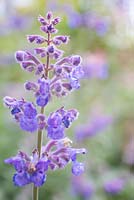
33, 169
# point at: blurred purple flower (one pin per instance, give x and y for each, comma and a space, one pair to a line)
95, 22
88, 20
15, 22
19, 22
114, 186
95, 125
95, 65
74, 19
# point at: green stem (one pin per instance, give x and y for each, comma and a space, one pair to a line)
40, 133
39, 144
35, 193
39, 140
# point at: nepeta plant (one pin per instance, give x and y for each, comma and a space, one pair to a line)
58, 79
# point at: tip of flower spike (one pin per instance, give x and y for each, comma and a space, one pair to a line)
49, 15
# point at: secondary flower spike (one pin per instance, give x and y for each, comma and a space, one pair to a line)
58, 77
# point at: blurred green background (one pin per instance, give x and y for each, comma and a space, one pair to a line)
102, 32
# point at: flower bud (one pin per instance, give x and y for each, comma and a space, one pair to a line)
30, 86
49, 15
19, 56
56, 21
76, 60
37, 38
42, 20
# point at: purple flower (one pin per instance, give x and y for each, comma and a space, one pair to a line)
28, 169
40, 51
27, 120
58, 79
29, 111
76, 60
68, 71
32, 169
36, 38
24, 112
54, 53
56, 21
31, 86
43, 93
60, 39
27, 61
77, 168
20, 56
27, 124
114, 186
63, 154
49, 28
51, 49
58, 121
41, 90
49, 15
42, 20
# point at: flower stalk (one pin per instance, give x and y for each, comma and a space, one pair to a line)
40, 133
66, 72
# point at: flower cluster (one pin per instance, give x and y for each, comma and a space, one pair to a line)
33, 169
58, 78
24, 112
58, 121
